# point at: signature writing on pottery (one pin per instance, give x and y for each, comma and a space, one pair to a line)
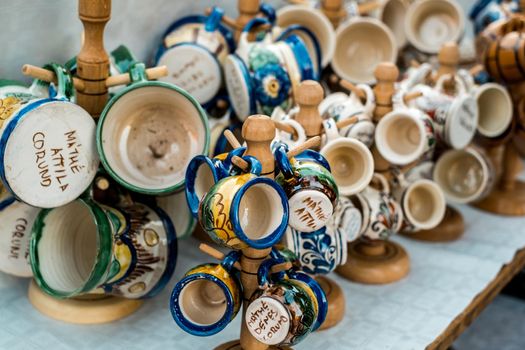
53, 163
191, 79
312, 212
265, 321
16, 239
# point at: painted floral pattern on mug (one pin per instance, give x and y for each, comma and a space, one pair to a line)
387, 219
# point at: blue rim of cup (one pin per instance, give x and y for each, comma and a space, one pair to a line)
302, 57
275, 236
191, 175
315, 42
478, 7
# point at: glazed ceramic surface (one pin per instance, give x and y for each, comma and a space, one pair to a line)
347, 220
149, 132
177, 209
87, 248
16, 220
207, 298
47, 150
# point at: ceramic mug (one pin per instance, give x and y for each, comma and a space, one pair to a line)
347, 220
245, 210
47, 150
84, 247
193, 49
316, 22
281, 312
393, 13
404, 135
208, 297
431, 23
422, 201
361, 44
16, 220
311, 189
465, 176
485, 12
455, 118
148, 133
494, 105
177, 210
290, 140
351, 162
382, 215
330, 101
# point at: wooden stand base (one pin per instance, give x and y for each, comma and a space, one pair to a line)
450, 229
236, 345
82, 311
505, 202
336, 302
381, 263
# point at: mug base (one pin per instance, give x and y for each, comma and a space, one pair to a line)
96, 310
361, 266
450, 229
236, 345
509, 202
336, 302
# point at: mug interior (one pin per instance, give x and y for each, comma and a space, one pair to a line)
68, 248
203, 181
432, 23
495, 110
393, 16
149, 136
424, 204
400, 138
203, 302
351, 164
360, 46
461, 175
260, 211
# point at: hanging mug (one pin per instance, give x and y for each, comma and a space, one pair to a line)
245, 210
208, 297
47, 150
148, 133
311, 189
177, 210
84, 247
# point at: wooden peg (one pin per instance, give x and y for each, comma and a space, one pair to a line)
285, 127
349, 86
102, 183
386, 74
478, 68
248, 9
414, 63
214, 253
309, 95
312, 143
334, 11
241, 163
346, 122
47, 75
230, 137
411, 96
369, 6
92, 60
124, 79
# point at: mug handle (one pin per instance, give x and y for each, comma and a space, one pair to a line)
230, 259
330, 129
370, 103
255, 165
283, 163
258, 21
227, 166
385, 187
296, 27
137, 72
299, 131
65, 89
191, 174
460, 85
264, 278
213, 21
268, 11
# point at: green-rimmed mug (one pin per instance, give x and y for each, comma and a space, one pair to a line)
148, 133
84, 247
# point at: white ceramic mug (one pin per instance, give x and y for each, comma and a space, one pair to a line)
361, 44
404, 135
316, 22
351, 161
431, 23
465, 176
347, 218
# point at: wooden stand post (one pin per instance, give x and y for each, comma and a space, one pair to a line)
334, 11
93, 70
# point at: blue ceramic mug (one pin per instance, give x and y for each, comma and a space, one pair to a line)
208, 297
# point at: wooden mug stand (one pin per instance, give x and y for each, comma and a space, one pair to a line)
91, 85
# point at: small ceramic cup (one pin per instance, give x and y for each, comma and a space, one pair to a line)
17, 220
361, 44
405, 134
495, 106
382, 215
148, 133
311, 189
193, 49
455, 118
177, 210
47, 150
351, 162
485, 12
465, 176
245, 210
208, 297
347, 220
281, 312
84, 247
393, 13
316, 22
431, 23
422, 201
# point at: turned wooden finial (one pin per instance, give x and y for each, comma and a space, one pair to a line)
258, 131
334, 11
309, 95
448, 58
92, 60
386, 74
248, 9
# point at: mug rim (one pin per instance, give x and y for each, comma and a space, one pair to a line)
478, 92
235, 60
100, 127
436, 190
